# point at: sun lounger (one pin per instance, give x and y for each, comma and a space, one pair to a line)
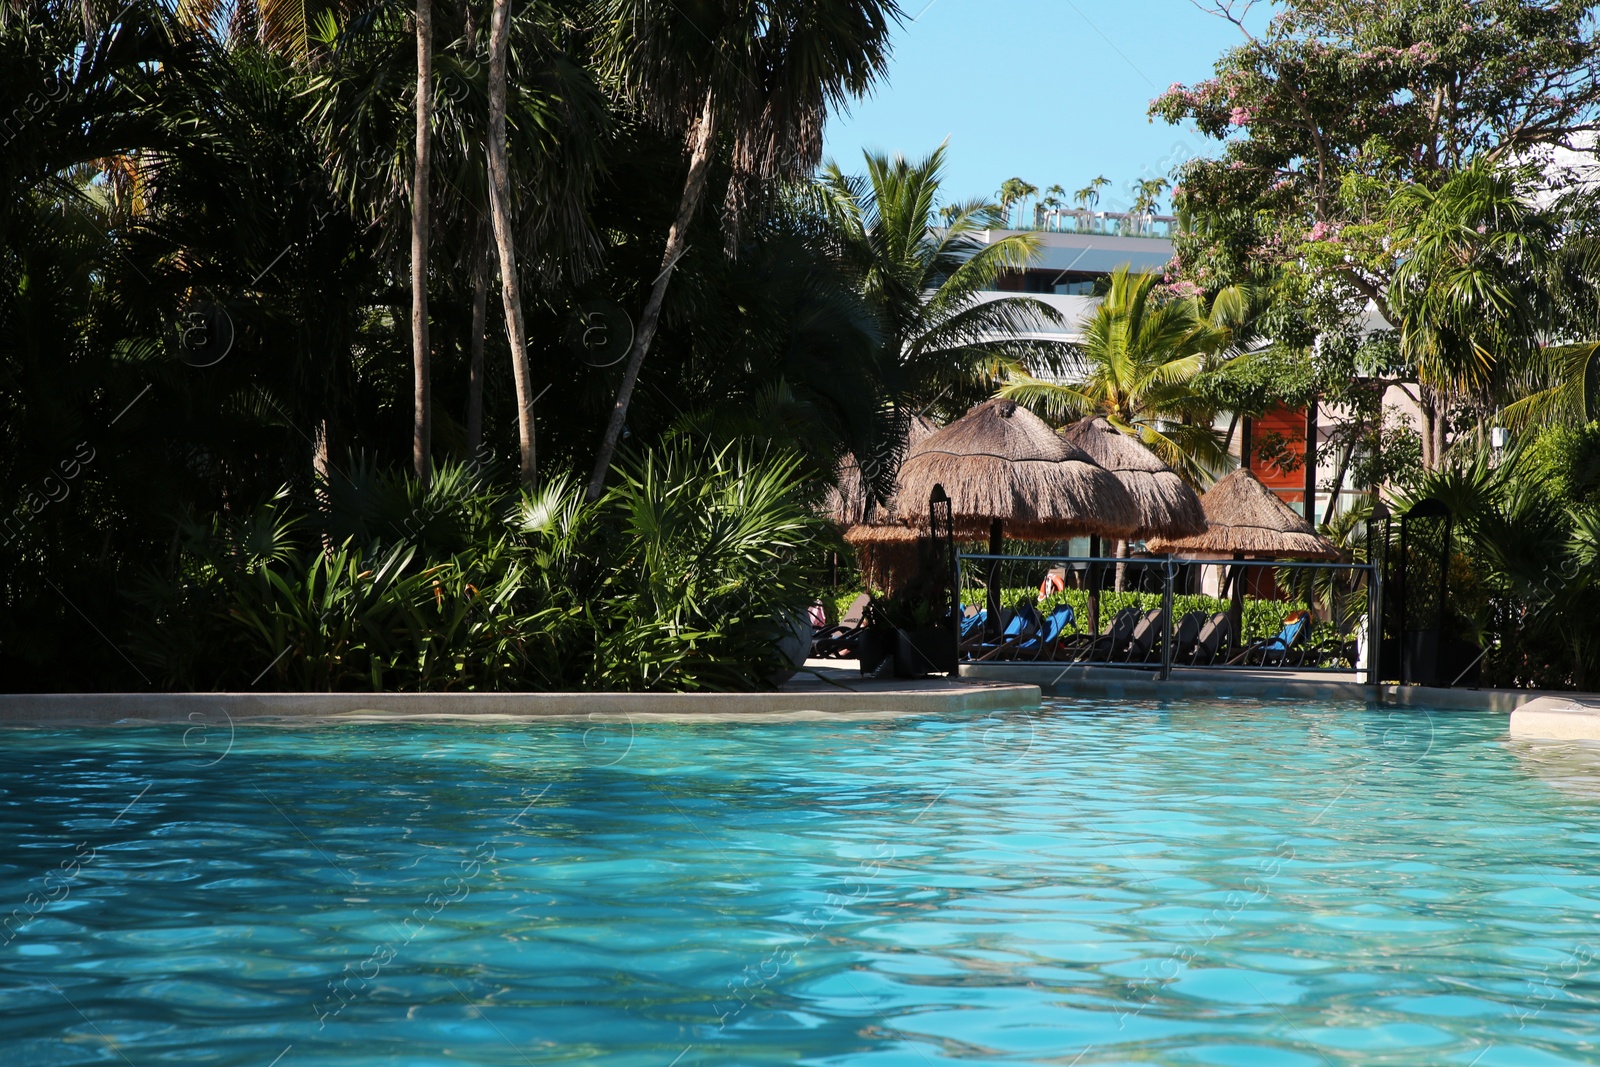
1042, 643
843, 639
1213, 642
1024, 624
1289, 644
1145, 641
1108, 644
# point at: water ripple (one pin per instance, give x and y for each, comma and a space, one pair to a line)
1089, 884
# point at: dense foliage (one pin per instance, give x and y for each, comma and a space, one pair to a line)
1398, 162
685, 575
1525, 557
204, 289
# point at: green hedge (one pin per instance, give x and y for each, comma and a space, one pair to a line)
1262, 618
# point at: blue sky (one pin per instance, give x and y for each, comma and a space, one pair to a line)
1052, 91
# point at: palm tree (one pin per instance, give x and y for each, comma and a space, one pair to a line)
1089, 195
1560, 385
551, 115
278, 25
1012, 191
505, 243
421, 374
1052, 199
1150, 190
763, 73
1141, 357
1472, 257
943, 342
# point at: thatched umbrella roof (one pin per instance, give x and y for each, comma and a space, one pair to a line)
1244, 516
1001, 461
887, 553
1167, 506
846, 500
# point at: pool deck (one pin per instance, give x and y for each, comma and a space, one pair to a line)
1559, 717
824, 690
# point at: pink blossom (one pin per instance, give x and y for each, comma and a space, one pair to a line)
1240, 116
1482, 228
1322, 231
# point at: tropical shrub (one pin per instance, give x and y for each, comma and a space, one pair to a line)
1525, 556
683, 576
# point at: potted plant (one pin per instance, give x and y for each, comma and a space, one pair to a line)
878, 640
911, 627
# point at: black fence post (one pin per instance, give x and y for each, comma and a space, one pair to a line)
1166, 626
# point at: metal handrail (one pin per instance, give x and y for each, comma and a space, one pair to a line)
1176, 561
1170, 564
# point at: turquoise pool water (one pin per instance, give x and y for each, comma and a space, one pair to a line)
1081, 885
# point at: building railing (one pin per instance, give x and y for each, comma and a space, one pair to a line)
1103, 223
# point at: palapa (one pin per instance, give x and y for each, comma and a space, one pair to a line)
1167, 506
1000, 462
846, 499
1245, 518
888, 553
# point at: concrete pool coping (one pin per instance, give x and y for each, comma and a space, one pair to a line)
824, 690
1563, 717
1533, 712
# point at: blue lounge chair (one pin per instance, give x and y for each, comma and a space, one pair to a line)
1041, 642
1276, 651
1025, 623
972, 625
1048, 640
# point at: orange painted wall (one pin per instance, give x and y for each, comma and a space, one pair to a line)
1291, 424
1290, 487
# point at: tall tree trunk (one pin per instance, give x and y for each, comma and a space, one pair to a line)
702, 138
322, 470
500, 213
1091, 574
1311, 461
1121, 552
1338, 480
480, 323
421, 420
1441, 429
1430, 419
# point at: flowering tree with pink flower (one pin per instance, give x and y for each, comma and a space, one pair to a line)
1329, 115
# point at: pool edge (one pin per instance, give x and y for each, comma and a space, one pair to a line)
807, 701
1081, 681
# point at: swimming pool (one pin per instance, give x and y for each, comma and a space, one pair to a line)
1088, 884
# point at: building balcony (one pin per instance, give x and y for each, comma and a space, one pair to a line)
1104, 223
